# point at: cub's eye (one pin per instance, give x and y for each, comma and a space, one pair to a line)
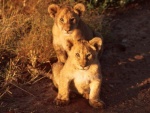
88, 55
61, 19
77, 54
72, 19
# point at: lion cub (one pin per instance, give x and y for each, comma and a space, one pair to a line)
81, 73
68, 26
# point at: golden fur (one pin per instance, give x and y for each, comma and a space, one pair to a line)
68, 26
81, 73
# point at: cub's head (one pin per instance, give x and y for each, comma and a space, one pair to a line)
66, 17
84, 53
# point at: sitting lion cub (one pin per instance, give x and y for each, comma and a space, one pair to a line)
81, 73
68, 26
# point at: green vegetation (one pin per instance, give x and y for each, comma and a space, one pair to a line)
108, 3
101, 4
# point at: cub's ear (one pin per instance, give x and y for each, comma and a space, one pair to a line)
96, 42
53, 9
69, 45
79, 8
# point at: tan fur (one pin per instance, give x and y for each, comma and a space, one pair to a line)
81, 72
68, 26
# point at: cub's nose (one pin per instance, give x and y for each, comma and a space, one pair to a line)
83, 65
67, 29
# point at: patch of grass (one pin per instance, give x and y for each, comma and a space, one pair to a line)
25, 40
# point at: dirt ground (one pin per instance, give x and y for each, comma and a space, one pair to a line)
125, 67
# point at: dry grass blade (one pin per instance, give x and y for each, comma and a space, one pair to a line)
6, 90
23, 90
38, 80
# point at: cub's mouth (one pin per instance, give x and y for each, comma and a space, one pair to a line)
84, 68
68, 32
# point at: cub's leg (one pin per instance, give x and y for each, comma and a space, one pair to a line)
94, 94
56, 68
63, 91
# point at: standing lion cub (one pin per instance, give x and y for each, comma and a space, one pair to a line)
81, 73
68, 26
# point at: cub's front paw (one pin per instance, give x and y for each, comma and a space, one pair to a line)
97, 104
60, 102
86, 95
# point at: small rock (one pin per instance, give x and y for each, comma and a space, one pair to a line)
138, 57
